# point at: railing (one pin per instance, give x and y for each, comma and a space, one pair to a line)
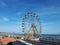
51, 39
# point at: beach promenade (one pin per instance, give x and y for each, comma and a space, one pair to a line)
19, 41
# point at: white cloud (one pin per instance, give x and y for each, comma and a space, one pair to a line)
51, 28
19, 13
14, 0
3, 4
49, 11
5, 19
10, 28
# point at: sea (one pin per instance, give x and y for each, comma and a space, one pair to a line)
42, 35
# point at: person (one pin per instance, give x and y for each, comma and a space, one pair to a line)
1, 43
16, 43
10, 43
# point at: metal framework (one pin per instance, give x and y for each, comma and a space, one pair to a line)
33, 31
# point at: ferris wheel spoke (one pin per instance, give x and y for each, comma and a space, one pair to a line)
31, 24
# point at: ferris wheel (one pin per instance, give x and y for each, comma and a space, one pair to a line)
31, 25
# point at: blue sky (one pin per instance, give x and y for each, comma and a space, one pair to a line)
12, 12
